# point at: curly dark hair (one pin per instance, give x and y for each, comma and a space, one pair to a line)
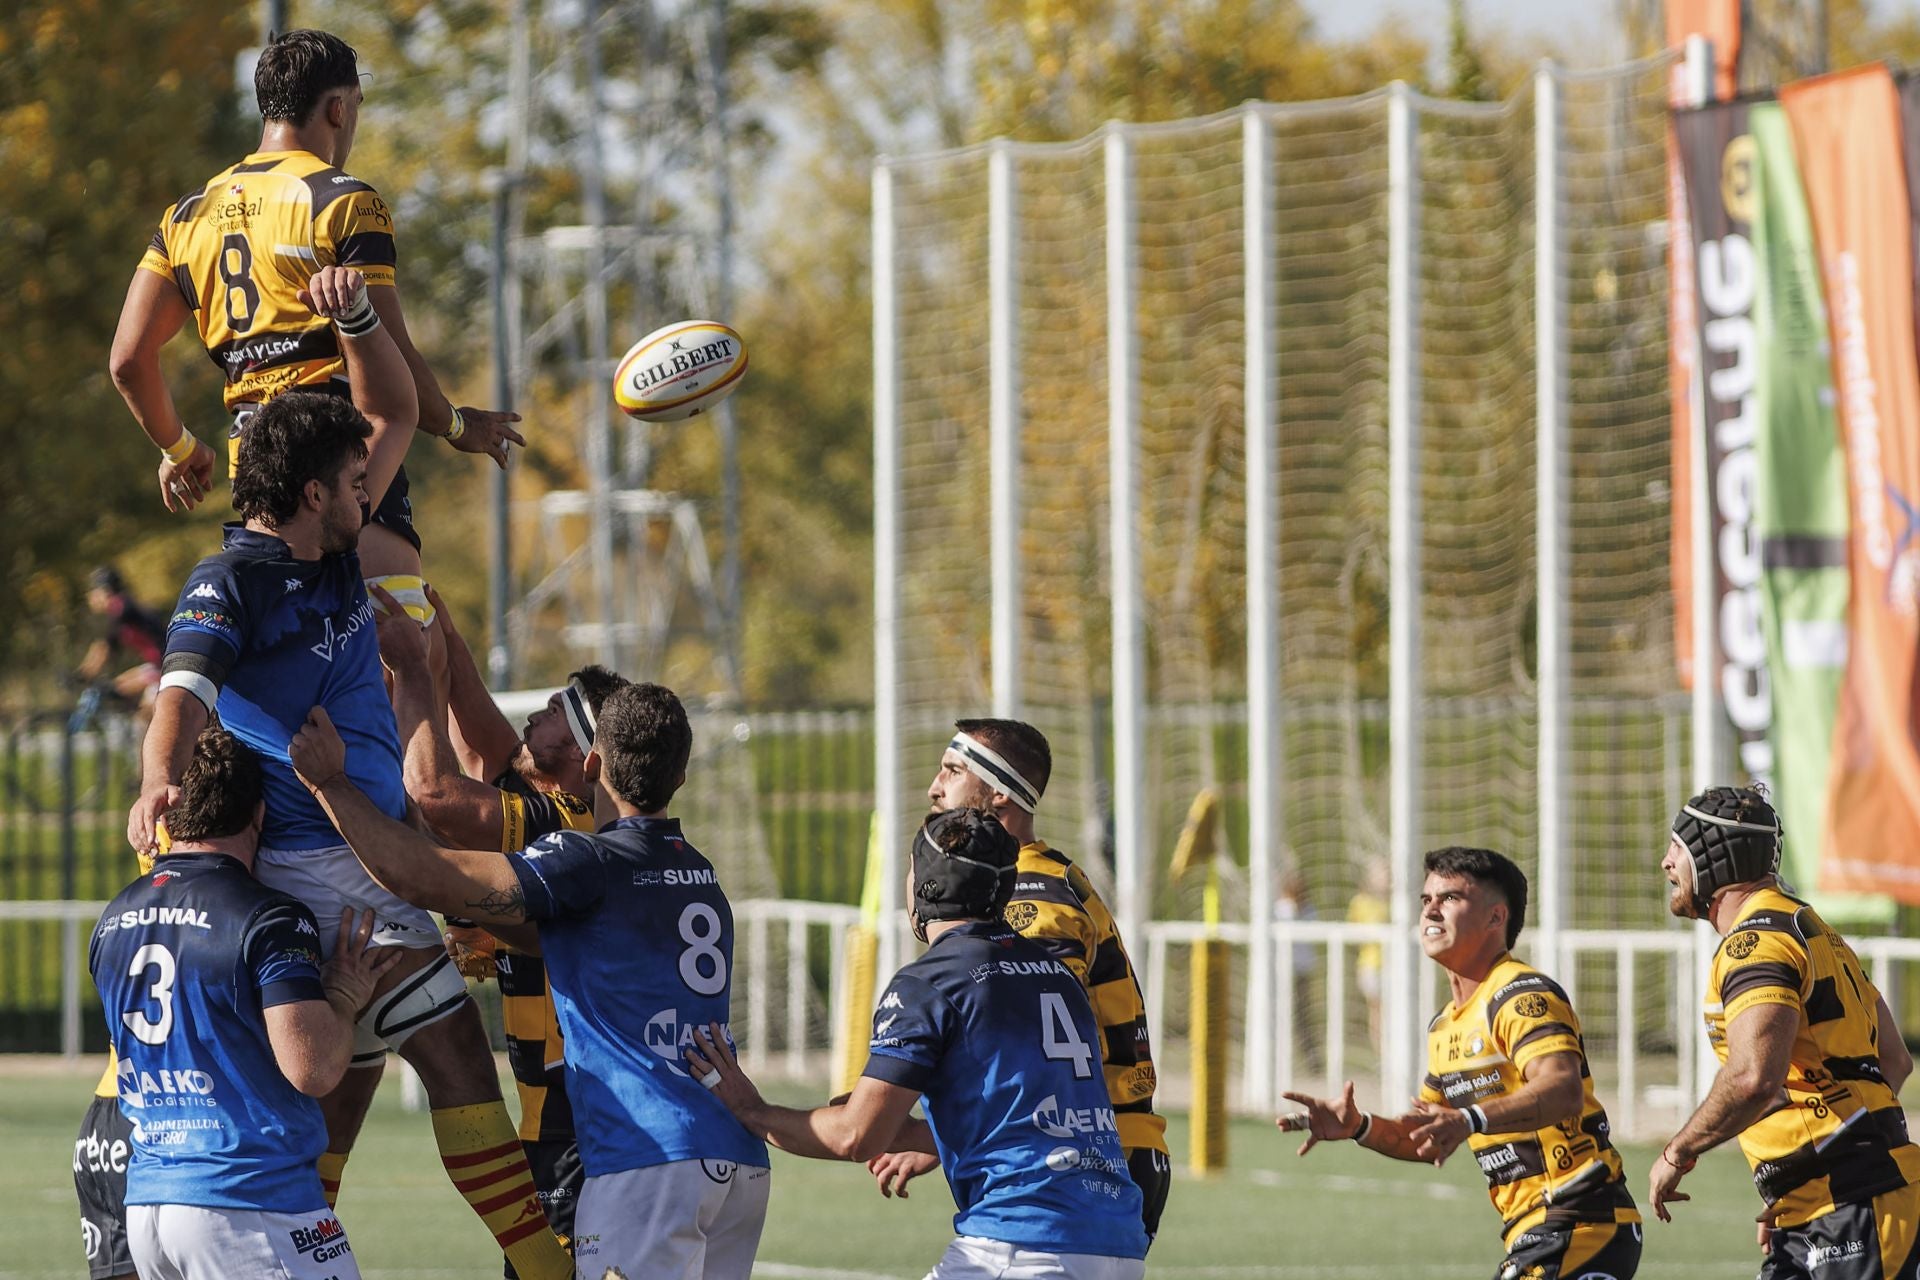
644, 741
295, 438
1018, 743
1484, 866
295, 71
598, 684
219, 791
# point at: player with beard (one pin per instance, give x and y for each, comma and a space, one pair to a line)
1811, 1062
1507, 1076
539, 787
278, 622
1002, 766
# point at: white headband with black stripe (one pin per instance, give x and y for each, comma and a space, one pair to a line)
579, 712
988, 765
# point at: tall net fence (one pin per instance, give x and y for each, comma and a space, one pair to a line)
1330, 295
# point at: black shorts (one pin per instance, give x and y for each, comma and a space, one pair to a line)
1153, 1173
100, 1155
557, 1179
1575, 1251
1879, 1240
395, 511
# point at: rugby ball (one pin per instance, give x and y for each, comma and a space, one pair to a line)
678, 371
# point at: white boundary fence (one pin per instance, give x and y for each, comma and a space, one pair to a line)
785, 1022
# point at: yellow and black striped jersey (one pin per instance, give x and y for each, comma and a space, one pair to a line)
1836, 1135
1480, 1050
242, 247
1055, 904
526, 1000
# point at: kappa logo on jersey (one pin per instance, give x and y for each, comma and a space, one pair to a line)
893, 1001
323, 1241
358, 618
205, 591
1057, 1121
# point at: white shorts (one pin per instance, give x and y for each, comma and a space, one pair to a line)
329, 881
187, 1242
971, 1258
689, 1220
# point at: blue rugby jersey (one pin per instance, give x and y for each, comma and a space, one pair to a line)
637, 937
262, 638
999, 1038
187, 960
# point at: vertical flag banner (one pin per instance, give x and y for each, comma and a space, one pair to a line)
1847, 134
1716, 159
1800, 512
1719, 22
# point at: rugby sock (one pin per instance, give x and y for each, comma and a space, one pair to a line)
484, 1159
332, 1165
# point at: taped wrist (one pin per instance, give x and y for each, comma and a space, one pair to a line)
360, 319
180, 450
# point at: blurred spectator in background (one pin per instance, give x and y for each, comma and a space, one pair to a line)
124, 655
1369, 906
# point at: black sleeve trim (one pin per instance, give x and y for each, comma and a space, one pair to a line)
366, 249
201, 664
891, 1070
1751, 977
1542, 1032
1109, 963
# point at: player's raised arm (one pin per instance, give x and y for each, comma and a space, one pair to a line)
463, 810
869, 1123
483, 738
473, 883
467, 429
378, 374
153, 312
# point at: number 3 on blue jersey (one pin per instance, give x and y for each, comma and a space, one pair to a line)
145, 1029
1058, 1038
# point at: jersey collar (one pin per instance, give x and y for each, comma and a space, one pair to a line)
666, 827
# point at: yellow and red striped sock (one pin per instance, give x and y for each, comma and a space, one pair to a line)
483, 1157
332, 1164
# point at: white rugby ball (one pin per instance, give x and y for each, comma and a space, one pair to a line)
676, 372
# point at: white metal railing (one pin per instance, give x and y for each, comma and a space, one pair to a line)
787, 1022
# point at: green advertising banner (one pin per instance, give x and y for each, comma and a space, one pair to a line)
1800, 511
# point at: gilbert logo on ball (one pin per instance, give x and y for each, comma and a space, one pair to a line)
680, 370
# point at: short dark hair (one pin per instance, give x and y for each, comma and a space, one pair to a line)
297, 68
644, 741
295, 438
1484, 866
1019, 744
219, 790
597, 684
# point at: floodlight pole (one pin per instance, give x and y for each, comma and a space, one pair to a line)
886, 571
1552, 501
1003, 424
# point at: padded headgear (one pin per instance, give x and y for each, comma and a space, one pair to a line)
963, 868
1733, 836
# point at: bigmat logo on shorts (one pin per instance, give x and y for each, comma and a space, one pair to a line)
323, 1241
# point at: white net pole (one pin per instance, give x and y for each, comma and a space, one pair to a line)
1264, 748
1123, 445
1003, 426
886, 566
1551, 507
1403, 590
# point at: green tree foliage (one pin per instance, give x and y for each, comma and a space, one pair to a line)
108, 113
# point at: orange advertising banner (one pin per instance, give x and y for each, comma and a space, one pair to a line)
1847, 133
1718, 21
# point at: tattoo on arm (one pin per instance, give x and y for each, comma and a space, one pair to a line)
505, 903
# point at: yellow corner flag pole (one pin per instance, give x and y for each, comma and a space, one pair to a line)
1207, 1032
860, 966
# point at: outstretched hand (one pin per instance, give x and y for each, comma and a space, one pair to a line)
1324, 1120
489, 431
